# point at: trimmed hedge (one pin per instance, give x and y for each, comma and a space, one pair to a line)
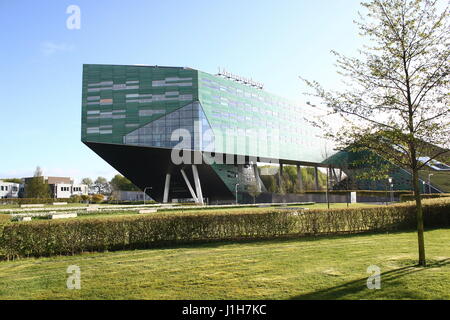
45, 238
410, 197
126, 202
361, 193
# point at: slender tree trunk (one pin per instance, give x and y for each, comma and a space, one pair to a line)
419, 216
414, 167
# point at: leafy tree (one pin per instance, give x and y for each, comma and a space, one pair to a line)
97, 198
120, 183
254, 191
87, 181
270, 183
76, 198
290, 183
102, 185
397, 101
36, 187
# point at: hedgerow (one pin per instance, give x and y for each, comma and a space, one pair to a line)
410, 197
45, 238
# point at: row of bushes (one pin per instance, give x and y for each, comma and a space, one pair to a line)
126, 202
367, 193
410, 197
45, 238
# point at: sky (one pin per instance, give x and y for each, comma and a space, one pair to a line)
271, 41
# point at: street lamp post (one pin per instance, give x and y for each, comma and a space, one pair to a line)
328, 186
429, 182
144, 192
236, 190
386, 194
392, 188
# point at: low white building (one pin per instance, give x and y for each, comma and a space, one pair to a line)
65, 190
62, 187
9, 189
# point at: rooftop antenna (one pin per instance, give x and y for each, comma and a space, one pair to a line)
247, 81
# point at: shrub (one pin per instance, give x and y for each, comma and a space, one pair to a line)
126, 202
362, 193
44, 238
97, 198
410, 197
75, 198
4, 219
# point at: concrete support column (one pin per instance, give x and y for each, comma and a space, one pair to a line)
258, 179
280, 177
316, 177
198, 186
189, 185
299, 177
166, 189
336, 181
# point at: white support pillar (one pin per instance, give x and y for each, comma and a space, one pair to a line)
189, 185
258, 179
336, 181
166, 189
198, 186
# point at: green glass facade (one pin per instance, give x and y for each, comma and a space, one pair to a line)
118, 100
142, 106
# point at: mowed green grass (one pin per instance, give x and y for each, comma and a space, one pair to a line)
308, 268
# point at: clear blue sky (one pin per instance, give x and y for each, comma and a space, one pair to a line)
41, 60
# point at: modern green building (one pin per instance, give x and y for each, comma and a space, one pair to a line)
434, 178
181, 133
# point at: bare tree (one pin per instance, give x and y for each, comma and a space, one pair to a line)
396, 104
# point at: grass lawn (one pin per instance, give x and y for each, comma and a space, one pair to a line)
309, 268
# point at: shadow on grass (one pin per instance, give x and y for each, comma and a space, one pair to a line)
357, 289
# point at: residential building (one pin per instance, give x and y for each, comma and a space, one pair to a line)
9, 189
62, 187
